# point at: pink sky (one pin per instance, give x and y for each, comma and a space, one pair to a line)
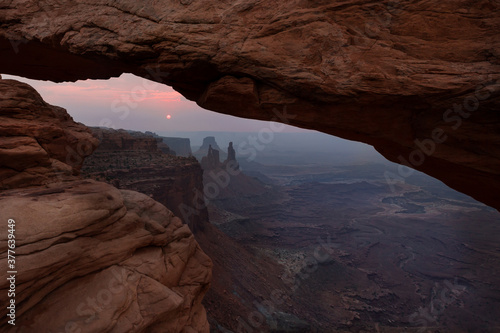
132, 102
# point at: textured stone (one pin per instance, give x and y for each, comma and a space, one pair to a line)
39, 143
98, 258
384, 73
136, 162
112, 140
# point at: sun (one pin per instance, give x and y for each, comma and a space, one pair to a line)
169, 116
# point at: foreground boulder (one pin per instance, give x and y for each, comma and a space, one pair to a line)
92, 257
417, 80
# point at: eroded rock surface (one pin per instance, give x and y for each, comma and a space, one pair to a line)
124, 161
93, 257
177, 182
88, 256
385, 73
39, 143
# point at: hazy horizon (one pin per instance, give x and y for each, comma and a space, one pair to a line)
134, 103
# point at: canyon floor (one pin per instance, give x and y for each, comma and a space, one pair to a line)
355, 254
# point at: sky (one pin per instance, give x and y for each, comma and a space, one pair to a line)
135, 103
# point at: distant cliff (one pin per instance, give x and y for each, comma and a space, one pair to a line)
170, 180
181, 146
212, 159
179, 183
203, 151
111, 140
235, 189
90, 257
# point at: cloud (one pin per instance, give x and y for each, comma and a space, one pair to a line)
164, 96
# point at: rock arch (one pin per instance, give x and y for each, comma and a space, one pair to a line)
419, 81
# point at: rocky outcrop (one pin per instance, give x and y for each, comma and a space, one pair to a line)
178, 183
112, 140
39, 143
164, 148
88, 256
170, 180
204, 150
391, 74
102, 260
212, 160
231, 156
181, 146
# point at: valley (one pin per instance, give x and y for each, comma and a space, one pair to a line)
421, 257
318, 246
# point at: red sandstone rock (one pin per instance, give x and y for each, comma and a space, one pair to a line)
136, 162
384, 72
85, 242
124, 141
39, 143
79, 242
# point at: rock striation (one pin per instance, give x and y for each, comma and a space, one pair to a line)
417, 80
90, 257
39, 143
170, 180
179, 183
101, 259
111, 140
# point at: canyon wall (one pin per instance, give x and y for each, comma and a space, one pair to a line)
207, 151
113, 140
89, 256
170, 180
417, 80
40, 143
177, 182
181, 146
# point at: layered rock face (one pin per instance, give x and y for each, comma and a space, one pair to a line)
170, 180
39, 143
89, 257
112, 140
417, 80
178, 183
95, 258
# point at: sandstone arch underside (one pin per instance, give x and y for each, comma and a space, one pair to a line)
418, 80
